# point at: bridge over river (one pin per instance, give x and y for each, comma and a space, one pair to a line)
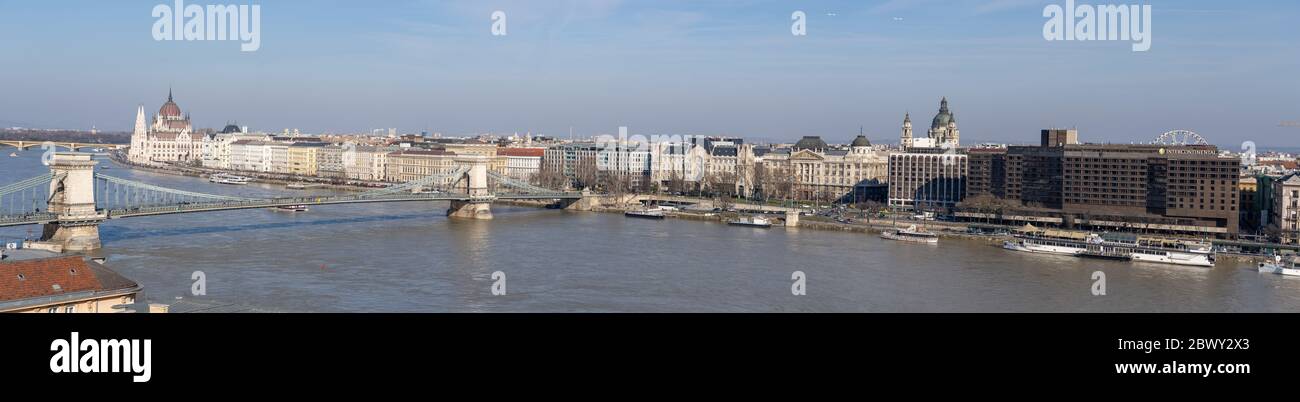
72, 200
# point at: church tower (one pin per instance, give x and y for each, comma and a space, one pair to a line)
906, 139
944, 127
139, 138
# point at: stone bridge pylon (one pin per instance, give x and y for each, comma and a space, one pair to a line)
475, 181
72, 198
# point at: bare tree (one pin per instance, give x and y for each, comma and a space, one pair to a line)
759, 182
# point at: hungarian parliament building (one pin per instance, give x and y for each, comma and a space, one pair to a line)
168, 138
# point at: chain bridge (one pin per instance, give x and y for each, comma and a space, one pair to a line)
73, 200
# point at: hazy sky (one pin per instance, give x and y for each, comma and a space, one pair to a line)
1226, 69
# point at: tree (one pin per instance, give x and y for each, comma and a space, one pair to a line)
759, 189
586, 174
549, 177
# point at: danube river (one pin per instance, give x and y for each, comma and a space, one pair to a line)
409, 257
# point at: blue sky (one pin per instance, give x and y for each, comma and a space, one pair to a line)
1224, 69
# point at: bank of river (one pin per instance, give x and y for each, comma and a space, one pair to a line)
400, 257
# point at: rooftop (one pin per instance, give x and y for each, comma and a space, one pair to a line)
28, 282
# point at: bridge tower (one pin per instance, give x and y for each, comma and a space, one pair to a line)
479, 204
72, 198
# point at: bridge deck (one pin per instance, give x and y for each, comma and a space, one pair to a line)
119, 213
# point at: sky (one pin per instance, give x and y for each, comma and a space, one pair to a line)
1225, 69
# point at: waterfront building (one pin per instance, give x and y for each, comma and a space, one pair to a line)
677, 166
35, 281
1177, 189
329, 162
815, 170
986, 171
251, 155
1034, 175
279, 157
728, 165
522, 163
169, 138
1285, 222
413, 164
1189, 188
625, 165
576, 162
366, 162
303, 158
926, 179
216, 148
410, 164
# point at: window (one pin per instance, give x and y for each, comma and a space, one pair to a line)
70, 309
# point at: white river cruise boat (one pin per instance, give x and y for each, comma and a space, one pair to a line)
1281, 266
1114, 247
223, 178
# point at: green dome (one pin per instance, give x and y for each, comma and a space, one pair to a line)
811, 142
944, 117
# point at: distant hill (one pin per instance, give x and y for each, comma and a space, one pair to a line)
11, 123
64, 135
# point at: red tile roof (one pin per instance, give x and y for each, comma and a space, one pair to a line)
36, 278
430, 152
537, 152
1282, 164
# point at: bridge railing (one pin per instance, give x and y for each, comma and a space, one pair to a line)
29, 218
274, 202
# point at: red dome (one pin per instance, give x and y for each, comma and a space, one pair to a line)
169, 109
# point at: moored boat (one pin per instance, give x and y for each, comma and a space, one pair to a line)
1280, 266
223, 178
292, 208
755, 222
1113, 247
645, 214
911, 234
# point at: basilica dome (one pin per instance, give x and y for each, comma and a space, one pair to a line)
944, 117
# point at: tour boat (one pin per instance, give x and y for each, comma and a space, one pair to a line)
911, 234
1095, 246
1288, 267
755, 222
13, 154
1044, 245
222, 178
645, 214
296, 186
292, 208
